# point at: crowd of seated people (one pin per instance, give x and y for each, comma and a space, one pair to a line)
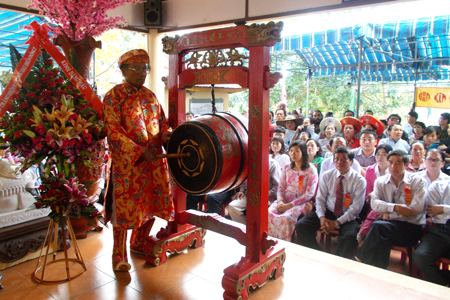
371, 182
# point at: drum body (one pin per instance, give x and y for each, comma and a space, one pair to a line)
218, 147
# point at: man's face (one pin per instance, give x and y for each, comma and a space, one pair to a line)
367, 142
411, 120
369, 126
306, 122
317, 115
442, 121
348, 114
396, 165
291, 125
279, 115
135, 73
342, 162
189, 117
338, 142
369, 113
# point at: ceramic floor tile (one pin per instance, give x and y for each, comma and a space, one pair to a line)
155, 281
194, 289
113, 291
88, 281
104, 263
13, 280
194, 261
27, 290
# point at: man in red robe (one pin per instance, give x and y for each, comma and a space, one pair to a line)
136, 129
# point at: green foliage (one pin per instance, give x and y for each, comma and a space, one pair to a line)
5, 76
15, 56
331, 93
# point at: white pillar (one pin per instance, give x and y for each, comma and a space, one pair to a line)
157, 62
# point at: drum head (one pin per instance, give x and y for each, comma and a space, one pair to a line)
199, 173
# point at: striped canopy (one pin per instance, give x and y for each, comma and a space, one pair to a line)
407, 50
12, 32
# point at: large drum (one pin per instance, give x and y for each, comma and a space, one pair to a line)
217, 144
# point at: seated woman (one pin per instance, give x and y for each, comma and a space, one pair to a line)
395, 131
380, 168
372, 123
278, 151
329, 126
430, 138
305, 136
419, 128
417, 161
434, 162
315, 153
351, 126
297, 185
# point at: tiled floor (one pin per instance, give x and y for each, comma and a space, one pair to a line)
197, 274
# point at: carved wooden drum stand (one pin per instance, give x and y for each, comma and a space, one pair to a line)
211, 57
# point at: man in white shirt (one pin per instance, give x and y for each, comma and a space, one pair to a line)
436, 243
400, 198
409, 127
237, 207
339, 201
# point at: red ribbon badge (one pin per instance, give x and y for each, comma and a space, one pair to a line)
300, 182
408, 195
347, 201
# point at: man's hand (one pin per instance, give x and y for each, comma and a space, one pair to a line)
405, 210
166, 137
383, 216
435, 210
148, 156
368, 198
327, 225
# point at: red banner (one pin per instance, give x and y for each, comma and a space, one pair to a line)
41, 38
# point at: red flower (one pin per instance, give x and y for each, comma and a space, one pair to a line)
30, 95
48, 138
94, 214
50, 74
61, 194
18, 118
60, 80
18, 134
29, 122
37, 86
16, 97
51, 84
25, 84
4, 124
38, 204
41, 129
6, 138
48, 62
55, 184
23, 105
44, 118
53, 207
41, 71
51, 193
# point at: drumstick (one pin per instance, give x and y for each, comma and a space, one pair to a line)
173, 155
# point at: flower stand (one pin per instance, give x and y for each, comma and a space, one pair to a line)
62, 266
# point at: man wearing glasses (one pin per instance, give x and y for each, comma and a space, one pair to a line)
399, 197
139, 187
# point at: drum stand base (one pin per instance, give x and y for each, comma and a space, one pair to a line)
245, 275
157, 248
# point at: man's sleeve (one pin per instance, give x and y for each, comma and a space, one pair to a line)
322, 195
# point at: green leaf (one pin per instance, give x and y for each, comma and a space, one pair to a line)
73, 59
29, 133
84, 152
63, 100
15, 56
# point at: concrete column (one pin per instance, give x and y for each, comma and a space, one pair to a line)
158, 61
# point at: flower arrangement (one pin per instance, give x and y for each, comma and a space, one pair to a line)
80, 19
50, 123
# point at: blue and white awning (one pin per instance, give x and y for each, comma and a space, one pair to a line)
399, 51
